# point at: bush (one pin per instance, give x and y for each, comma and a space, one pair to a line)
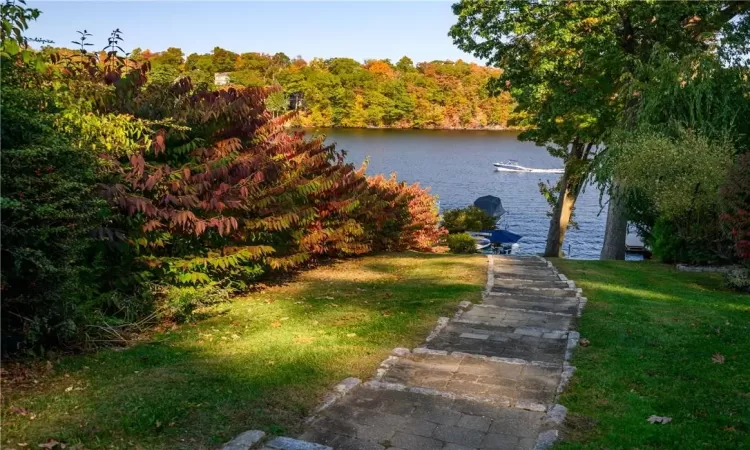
461, 243
49, 212
398, 216
468, 219
670, 186
738, 279
735, 195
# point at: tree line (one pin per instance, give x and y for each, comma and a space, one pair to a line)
342, 92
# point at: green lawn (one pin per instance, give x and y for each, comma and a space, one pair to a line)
653, 332
263, 361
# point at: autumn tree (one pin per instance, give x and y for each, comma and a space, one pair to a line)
172, 57
223, 60
405, 64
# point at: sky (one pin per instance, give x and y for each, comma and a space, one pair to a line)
355, 29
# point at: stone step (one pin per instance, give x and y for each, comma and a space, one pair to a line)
548, 292
516, 318
531, 345
378, 419
527, 271
521, 266
526, 276
565, 305
497, 382
285, 443
522, 283
520, 258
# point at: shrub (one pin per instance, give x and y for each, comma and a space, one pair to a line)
670, 186
461, 243
468, 219
398, 216
738, 279
735, 195
49, 212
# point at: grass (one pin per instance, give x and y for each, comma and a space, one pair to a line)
653, 335
263, 362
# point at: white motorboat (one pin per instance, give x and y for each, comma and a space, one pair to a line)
513, 166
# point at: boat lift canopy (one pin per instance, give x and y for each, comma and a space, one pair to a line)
491, 205
500, 236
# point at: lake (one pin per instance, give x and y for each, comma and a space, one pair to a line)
457, 166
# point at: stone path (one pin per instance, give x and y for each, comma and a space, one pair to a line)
486, 379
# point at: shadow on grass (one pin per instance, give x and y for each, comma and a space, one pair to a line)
263, 363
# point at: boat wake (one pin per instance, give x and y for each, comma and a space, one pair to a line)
528, 170
513, 166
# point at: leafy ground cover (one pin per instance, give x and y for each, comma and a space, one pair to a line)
661, 343
262, 361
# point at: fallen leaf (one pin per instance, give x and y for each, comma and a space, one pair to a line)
351, 334
659, 419
387, 314
158, 424
729, 429
69, 388
718, 358
268, 300
276, 324
388, 295
284, 318
51, 443
584, 342
19, 410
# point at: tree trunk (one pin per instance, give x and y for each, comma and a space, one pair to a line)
570, 187
616, 230
558, 225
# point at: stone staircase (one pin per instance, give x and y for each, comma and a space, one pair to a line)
486, 379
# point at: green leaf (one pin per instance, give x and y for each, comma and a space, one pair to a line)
11, 47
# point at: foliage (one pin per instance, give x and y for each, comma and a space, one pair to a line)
15, 18
398, 216
341, 92
461, 243
668, 180
180, 303
674, 183
735, 200
738, 279
470, 218
678, 175
230, 194
49, 212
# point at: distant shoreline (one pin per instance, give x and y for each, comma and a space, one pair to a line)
497, 128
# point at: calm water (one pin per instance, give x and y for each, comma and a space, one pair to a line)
457, 166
